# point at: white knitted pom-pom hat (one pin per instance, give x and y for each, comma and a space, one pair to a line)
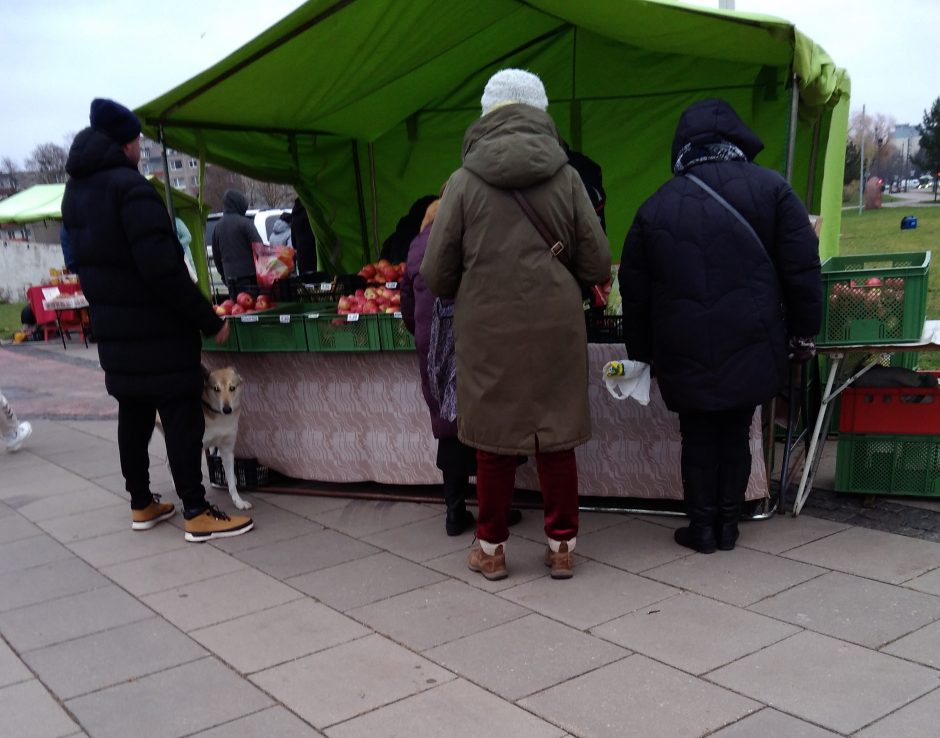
513, 86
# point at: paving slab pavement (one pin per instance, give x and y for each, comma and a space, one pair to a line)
349, 618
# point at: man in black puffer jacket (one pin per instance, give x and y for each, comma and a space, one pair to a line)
231, 245
717, 303
147, 315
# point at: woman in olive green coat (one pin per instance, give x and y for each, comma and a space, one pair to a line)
518, 319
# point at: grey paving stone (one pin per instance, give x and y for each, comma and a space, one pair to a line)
436, 614
175, 702
100, 660
65, 505
740, 577
916, 720
457, 709
219, 599
304, 554
772, 724
781, 532
870, 553
275, 722
46, 582
693, 633
362, 518
77, 615
12, 669
306, 505
595, 594
524, 559
127, 545
634, 545
853, 609
365, 580
279, 634
172, 569
272, 524
29, 552
348, 680
18, 487
15, 528
421, 541
29, 711
922, 646
837, 685
929, 582
626, 698
79, 526
525, 656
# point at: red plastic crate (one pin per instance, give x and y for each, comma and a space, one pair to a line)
884, 410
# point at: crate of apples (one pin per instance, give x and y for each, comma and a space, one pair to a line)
382, 271
370, 301
242, 304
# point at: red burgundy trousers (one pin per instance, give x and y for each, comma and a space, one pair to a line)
496, 479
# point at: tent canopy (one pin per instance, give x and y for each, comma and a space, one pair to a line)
39, 202
366, 102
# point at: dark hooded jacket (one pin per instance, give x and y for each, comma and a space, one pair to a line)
702, 300
232, 238
519, 327
145, 310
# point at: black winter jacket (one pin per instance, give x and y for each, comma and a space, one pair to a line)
145, 310
702, 301
232, 239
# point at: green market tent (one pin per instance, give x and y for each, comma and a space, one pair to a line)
361, 105
39, 202
193, 214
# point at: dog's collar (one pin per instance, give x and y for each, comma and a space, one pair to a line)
211, 409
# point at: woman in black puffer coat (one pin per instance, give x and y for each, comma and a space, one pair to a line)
712, 309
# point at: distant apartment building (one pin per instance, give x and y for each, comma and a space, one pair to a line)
183, 168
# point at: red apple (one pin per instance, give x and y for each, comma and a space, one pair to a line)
228, 305
220, 311
263, 302
238, 310
873, 282
344, 303
370, 293
245, 300
391, 310
370, 307
368, 271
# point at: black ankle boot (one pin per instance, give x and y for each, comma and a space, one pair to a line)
458, 518
699, 487
732, 486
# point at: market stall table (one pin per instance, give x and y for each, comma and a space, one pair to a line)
64, 305
360, 416
929, 341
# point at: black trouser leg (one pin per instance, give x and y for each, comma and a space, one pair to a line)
699, 465
735, 470
135, 426
183, 426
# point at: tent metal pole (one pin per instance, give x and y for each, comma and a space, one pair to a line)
375, 203
791, 138
166, 179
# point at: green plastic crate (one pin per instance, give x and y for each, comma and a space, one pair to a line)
279, 329
875, 298
889, 464
209, 344
393, 335
332, 332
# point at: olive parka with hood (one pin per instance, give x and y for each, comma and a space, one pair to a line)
707, 305
519, 324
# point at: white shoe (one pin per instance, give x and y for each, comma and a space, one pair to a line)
23, 431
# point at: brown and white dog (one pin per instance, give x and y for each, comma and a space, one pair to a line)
221, 407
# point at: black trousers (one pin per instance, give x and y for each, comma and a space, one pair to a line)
722, 436
183, 426
242, 284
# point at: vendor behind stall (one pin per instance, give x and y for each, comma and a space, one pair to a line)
231, 245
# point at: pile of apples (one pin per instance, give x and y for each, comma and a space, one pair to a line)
380, 296
243, 303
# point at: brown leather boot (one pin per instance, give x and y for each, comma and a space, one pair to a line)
561, 561
492, 567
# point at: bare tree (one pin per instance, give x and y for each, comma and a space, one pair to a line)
273, 195
218, 180
878, 129
9, 174
48, 160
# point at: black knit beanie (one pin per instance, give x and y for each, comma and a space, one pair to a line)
114, 120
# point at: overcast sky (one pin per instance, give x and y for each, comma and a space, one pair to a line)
59, 54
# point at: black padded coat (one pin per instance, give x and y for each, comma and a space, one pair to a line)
145, 310
708, 306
